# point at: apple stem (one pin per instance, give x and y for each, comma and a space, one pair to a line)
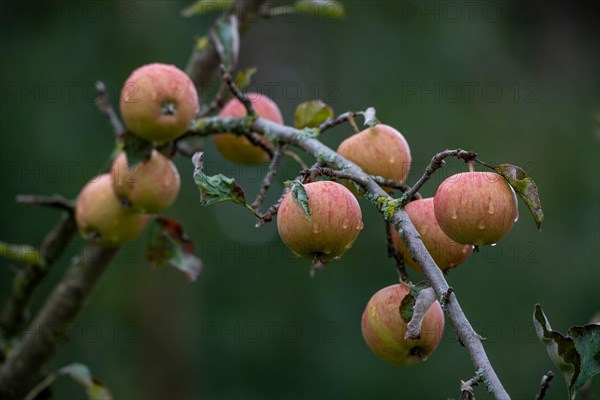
471, 166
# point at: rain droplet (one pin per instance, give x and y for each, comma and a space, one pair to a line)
463, 202
345, 224
392, 160
481, 225
493, 244
454, 215
315, 228
517, 218
491, 208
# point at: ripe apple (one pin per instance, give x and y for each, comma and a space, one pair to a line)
101, 217
475, 207
149, 187
335, 223
383, 328
158, 102
380, 151
238, 148
445, 252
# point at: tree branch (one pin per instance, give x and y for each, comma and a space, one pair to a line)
393, 253
22, 369
27, 279
55, 201
392, 212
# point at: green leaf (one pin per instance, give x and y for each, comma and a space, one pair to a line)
22, 252
205, 6
169, 245
587, 343
370, 117
311, 114
137, 149
244, 77
81, 373
408, 302
525, 188
576, 355
330, 9
216, 188
226, 38
300, 197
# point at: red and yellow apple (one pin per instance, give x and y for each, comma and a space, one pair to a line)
101, 217
475, 207
158, 102
150, 186
445, 252
384, 329
380, 151
335, 222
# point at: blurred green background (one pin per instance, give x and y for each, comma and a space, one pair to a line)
518, 82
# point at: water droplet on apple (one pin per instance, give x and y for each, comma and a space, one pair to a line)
481, 225
315, 228
463, 202
345, 224
491, 208
493, 244
454, 215
392, 160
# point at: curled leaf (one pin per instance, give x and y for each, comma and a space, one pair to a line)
409, 301
525, 188
169, 245
300, 197
425, 299
226, 38
577, 355
216, 188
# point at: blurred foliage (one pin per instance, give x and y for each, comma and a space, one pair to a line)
515, 81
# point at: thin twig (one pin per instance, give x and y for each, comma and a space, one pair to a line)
392, 252
340, 119
226, 77
436, 163
394, 185
544, 385
272, 211
296, 158
54, 201
103, 104
269, 177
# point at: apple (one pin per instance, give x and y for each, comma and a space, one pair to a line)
335, 223
383, 328
158, 102
445, 252
475, 207
150, 186
238, 148
101, 217
380, 151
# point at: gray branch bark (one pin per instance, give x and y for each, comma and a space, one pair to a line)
22, 369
